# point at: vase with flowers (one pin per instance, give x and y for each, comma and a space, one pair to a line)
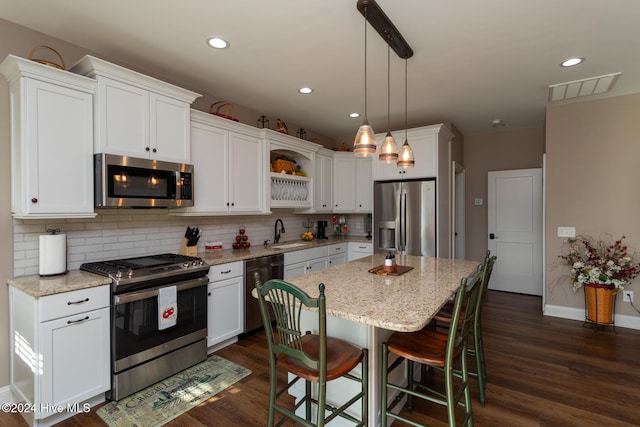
602, 268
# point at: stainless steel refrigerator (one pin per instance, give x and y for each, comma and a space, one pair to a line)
404, 217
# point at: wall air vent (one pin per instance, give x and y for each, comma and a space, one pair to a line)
585, 87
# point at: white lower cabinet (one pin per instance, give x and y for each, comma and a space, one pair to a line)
359, 250
299, 263
60, 352
225, 307
337, 254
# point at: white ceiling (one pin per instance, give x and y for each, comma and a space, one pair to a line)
474, 61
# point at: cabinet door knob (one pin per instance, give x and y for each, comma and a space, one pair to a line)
154, 150
34, 200
147, 149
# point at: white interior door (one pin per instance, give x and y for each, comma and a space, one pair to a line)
515, 230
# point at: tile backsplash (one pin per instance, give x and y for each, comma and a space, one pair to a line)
121, 233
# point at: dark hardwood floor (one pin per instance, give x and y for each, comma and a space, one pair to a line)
542, 371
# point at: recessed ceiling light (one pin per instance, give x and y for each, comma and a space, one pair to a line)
218, 43
571, 62
354, 115
305, 90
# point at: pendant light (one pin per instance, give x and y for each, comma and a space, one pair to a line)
365, 143
405, 159
389, 149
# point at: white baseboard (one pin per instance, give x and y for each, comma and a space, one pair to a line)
6, 396
621, 320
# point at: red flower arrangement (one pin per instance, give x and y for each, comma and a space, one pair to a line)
600, 263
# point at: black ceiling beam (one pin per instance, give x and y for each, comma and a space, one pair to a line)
383, 25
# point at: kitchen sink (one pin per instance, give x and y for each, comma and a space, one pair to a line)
289, 245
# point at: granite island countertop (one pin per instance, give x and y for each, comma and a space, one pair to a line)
403, 303
38, 286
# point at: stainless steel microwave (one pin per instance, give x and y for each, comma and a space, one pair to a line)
123, 181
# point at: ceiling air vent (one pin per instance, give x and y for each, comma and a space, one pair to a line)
585, 87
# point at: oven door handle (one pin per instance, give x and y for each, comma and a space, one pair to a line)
153, 292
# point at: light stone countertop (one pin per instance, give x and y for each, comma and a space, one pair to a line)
38, 286
256, 250
403, 303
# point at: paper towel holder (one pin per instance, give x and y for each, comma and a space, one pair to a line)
53, 253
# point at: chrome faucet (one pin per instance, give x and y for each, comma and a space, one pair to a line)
276, 232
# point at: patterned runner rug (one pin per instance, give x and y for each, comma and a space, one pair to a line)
166, 400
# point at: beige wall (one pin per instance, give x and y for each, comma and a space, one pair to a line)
593, 182
501, 150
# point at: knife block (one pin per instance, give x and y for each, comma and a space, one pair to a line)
187, 250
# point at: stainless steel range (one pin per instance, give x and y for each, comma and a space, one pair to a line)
145, 350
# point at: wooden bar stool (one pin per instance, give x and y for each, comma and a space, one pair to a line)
438, 350
315, 358
443, 319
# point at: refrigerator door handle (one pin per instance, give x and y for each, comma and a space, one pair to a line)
403, 222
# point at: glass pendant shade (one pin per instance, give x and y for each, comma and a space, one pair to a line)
389, 149
405, 160
365, 143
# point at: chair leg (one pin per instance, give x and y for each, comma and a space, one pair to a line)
322, 399
365, 387
480, 364
467, 388
450, 397
273, 379
307, 396
410, 384
385, 378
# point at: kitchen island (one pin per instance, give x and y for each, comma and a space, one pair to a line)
365, 309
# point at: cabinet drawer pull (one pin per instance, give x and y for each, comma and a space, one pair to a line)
77, 302
362, 247
225, 272
69, 322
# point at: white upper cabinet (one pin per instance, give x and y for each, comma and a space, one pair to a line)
323, 184
228, 167
51, 140
137, 115
428, 143
352, 183
344, 182
364, 184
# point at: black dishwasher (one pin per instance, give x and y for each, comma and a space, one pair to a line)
269, 267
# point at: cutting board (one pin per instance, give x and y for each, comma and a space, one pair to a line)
379, 270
